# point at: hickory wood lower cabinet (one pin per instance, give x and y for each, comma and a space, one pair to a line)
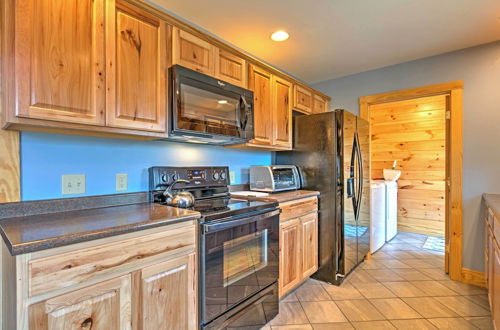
141, 280
492, 263
298, 242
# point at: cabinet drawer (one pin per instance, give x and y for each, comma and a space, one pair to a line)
74, 267
298, 208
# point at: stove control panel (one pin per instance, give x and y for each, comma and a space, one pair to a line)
161, 177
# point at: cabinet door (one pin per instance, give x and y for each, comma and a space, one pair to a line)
320, 104
137, 69
289, 270
495, 306
309, 234
193, 52
165, 295
60, 61
260, 83
302, 99
230, 68
106, 305
282, 95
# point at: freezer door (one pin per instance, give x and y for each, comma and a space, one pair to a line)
348, 159
363, 223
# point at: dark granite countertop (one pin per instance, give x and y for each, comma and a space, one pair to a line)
35, 232
493, 201
280, 197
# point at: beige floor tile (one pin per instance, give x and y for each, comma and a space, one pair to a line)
395, 309
290, 313
381, 255
384, 275
344, 292
311, 292
463, 288
323, 312
400, 255
418, 324
411, 274
482, 322
360, 276
333, 326
435, 289
452, 323
373, 264
392, 264
463, 306
371, 325
435, 273
291, 297
404, 289
292, 327
359, 310
418, 263
313, 281
435, 261
374, 290
404, 247
480, 299
429, 307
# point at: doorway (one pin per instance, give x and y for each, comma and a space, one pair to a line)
421, 128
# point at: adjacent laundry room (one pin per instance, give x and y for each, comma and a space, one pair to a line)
408, 173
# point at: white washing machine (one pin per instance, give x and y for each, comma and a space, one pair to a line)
391, 193
377, 215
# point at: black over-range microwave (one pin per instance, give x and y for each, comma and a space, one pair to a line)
208, 110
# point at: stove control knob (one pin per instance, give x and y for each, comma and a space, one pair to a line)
164, 177
175, 176
215, 176
223, 175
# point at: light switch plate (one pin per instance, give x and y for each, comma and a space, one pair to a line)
121, 182
232, 177
73, 184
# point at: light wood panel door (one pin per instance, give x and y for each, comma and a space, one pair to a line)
260, 82
495, 303
290, 241
231, 68
106, 305
303, 99
282, 121
309, 246
60, 60
193, 52
165, 295
137, 69
320, 104
413, 132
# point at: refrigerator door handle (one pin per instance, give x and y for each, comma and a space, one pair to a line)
352, 179
360, 176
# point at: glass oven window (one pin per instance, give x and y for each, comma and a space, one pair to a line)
200, 106
244, 256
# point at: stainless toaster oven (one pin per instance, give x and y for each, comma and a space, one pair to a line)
273, 178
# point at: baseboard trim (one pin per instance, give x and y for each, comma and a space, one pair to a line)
473, 277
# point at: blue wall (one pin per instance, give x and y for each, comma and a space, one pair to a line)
45, 157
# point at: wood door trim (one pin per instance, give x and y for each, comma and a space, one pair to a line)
454, 91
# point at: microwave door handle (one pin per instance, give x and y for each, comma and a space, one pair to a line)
243, 112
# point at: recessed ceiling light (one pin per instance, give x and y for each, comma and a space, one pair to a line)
222, 101
280, 35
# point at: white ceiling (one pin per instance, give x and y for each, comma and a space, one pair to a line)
334, 38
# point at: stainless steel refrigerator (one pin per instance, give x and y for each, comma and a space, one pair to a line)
332, 152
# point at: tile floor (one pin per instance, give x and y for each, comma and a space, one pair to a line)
403, 286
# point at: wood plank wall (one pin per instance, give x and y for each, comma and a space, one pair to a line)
413, 132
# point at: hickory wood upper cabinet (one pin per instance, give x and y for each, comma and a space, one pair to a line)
282, 112
302, 99
193, 52
106, 305
231, 68
59, 50
260, 82
137, 69
320, 104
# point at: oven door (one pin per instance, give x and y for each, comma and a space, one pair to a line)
239, 258
204, 105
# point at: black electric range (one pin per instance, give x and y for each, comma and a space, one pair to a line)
238, 248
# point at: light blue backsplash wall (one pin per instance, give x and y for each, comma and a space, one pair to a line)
45, 157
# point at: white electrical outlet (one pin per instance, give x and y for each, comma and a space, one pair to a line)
121, 182
232, 177
73, 184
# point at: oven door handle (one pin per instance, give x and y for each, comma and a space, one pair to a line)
238, 220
